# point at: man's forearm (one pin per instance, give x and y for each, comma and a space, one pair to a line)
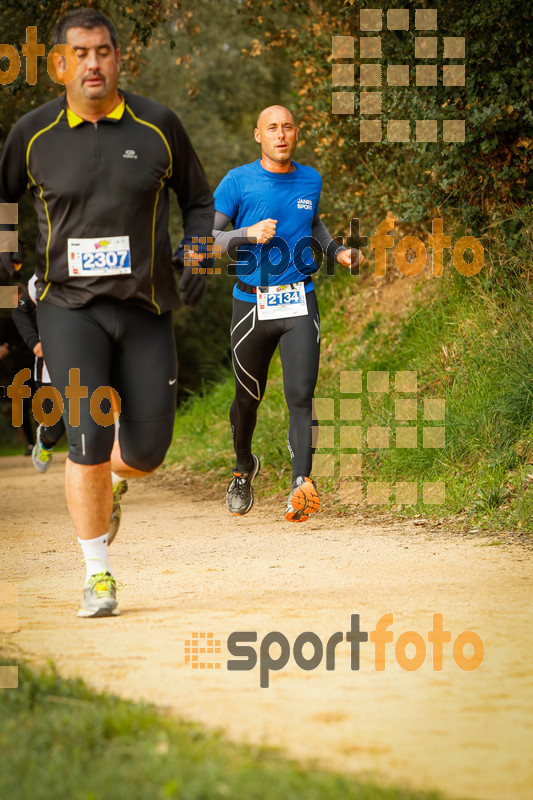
23, 319
326, 241
227, 240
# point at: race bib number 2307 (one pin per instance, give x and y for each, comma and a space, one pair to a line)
98, 257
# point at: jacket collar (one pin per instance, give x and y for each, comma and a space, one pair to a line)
114, 116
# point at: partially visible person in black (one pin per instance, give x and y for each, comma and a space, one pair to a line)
10, 263
14, 356
25, 318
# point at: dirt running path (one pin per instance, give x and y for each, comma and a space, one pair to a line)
188, 566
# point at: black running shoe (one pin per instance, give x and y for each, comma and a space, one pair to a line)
240, 495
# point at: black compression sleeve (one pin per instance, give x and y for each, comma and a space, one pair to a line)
24, 318
227, 240
327, 244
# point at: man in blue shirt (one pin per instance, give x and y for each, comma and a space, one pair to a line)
273, 207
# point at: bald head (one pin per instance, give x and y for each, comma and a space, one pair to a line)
277, 134
266, 113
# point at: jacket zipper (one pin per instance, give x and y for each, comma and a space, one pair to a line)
97, 149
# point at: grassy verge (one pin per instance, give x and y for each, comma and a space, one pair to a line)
470, 342
9, 450
59, 739
20, 450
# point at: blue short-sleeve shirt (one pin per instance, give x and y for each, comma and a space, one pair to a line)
249, 194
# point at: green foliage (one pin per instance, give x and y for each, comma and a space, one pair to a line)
59, 739
415, 180
490, 498
211, 83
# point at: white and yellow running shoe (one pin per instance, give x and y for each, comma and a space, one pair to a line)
41, 457
99, 597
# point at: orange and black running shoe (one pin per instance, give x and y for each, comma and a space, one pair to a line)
303, 500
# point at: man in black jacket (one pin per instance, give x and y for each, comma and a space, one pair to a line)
100, 164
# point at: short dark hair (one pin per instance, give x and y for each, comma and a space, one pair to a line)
88, 18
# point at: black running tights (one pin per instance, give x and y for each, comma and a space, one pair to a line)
253, 343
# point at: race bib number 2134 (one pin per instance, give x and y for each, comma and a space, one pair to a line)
278, 302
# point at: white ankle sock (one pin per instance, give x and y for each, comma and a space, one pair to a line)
95, 555
115, 478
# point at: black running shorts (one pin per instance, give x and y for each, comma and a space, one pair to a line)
124, 346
